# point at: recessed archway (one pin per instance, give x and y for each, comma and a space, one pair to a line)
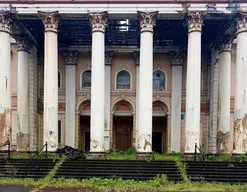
84, 131
122, 125
159, 133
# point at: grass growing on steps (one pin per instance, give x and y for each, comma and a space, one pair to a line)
46, 181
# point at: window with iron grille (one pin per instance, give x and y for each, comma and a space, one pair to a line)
86, 80
123, 80
159, 80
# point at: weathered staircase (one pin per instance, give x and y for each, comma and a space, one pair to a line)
20, 168
125, 169
228, 172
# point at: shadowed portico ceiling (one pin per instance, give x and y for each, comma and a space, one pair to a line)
127, 32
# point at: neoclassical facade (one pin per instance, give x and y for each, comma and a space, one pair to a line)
157, 77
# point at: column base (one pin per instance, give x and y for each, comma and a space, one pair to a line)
189, 156
96, 155
145, 156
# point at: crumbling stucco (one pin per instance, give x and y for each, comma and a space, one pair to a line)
222, 142
237, 141
22, 141
5, 124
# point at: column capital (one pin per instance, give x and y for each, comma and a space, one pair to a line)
98, 21
226, 47
70, 57
5, 21
108, 57
136, 55
50, 20
195, 21
241, 22
23, 43
147, 20
176, 57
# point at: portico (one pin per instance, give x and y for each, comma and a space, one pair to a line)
99, 45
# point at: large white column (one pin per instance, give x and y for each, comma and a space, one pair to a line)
176, 61
98, 23
108, 60
240, 119
70, 62
5, 77
51, 20
147, 23
223, 134
193, 85
22, 96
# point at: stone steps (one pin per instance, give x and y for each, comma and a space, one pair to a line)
230, 172
129, 169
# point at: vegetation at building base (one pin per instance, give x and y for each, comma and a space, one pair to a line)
158, 184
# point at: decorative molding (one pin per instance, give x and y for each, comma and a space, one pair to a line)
108, 57
195, 21
98, 21
241, 22
50, 20
5, 21
23, 43
147, 20
70, 57
136, 55
176, 57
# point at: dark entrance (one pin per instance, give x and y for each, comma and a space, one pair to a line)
122, 133
85, 132
159, 134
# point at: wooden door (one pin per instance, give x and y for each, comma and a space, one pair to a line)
123, 134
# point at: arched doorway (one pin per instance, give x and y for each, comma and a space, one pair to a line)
122, 126
159, 133
84, 133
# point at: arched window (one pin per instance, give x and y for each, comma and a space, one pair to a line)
86, 79
123, 80
59, 80
159, 80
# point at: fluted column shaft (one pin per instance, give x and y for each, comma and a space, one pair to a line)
23, 135
98, 23
193, 83
5, 77
50, 21
223, 134
144, 141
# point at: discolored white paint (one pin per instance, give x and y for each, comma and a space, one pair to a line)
51, 91
98, 93
23, 102
192, 117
